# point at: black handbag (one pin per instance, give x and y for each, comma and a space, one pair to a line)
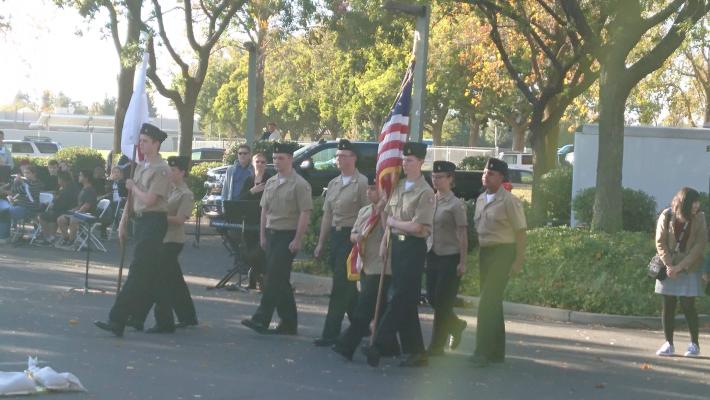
656, 267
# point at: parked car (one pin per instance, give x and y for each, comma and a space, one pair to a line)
207, 154
522, 180
565, 154
32, 146
517, 159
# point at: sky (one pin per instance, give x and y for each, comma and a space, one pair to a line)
43, 51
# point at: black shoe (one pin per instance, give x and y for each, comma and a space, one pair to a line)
345, 352
160, 329
186, 324
134, 324
323, 342
255, 326
110, 326
393, 352
372, 354
415, 360
435, 352
289, 330
455, 339
479, 361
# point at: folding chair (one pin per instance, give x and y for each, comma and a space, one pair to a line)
89, 224
45, 199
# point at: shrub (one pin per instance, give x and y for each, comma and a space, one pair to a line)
38, 161
556, 194
81, 159
197, 177
473, 163
266, 147
580, 270
638, 209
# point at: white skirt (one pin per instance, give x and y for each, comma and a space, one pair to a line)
686, 284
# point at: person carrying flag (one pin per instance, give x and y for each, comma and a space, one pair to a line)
148, 202
345, 196
372, 268
409, 215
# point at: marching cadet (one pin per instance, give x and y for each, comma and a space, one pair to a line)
149, 193
446, 260
346, 195
173, 293
500, 224
285, 211
372, 267
409, 215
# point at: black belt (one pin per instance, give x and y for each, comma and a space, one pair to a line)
277, 231
400, 237
341, 228
149, 214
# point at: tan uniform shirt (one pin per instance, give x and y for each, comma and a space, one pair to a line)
372, 262
415, 204
152, 178
449, 214
284, 199
496, 222
180, 203
342, 202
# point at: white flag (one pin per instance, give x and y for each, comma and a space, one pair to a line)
137, 113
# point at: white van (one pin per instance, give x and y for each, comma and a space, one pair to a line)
517, 160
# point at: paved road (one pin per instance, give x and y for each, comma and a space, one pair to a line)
220, 359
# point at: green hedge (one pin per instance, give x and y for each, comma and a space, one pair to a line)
556, 194
638, 209
81, 159
197, 177
473, 163
579, 270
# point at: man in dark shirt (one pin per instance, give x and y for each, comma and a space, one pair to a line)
63, 201
86, 203
50, 180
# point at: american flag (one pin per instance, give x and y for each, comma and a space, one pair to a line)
389, 162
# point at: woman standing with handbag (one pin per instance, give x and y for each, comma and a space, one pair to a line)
680, 243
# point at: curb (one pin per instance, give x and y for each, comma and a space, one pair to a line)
585, 318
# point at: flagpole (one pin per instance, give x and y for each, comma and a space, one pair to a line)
378, 303
127, 208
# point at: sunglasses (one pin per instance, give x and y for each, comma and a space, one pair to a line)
243, 153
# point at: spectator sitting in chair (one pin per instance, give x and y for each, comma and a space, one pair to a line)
21, 202
50, 180
100, 181
63, 201
116, 192
68, 224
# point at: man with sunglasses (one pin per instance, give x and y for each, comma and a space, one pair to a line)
237, 174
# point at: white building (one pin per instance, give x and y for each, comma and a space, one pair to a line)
657, 160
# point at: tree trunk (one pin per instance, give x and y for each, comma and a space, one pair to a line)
612, 102
519, 136
125, 76
544, 147
706, 116
438, 126
186, 116
125, 91
474, 133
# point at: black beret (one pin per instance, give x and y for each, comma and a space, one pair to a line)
181, 162
345, 144
286, 148
153, 132
416, 149
444, 166
495, 164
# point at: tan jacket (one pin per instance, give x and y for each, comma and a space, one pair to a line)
692, 258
